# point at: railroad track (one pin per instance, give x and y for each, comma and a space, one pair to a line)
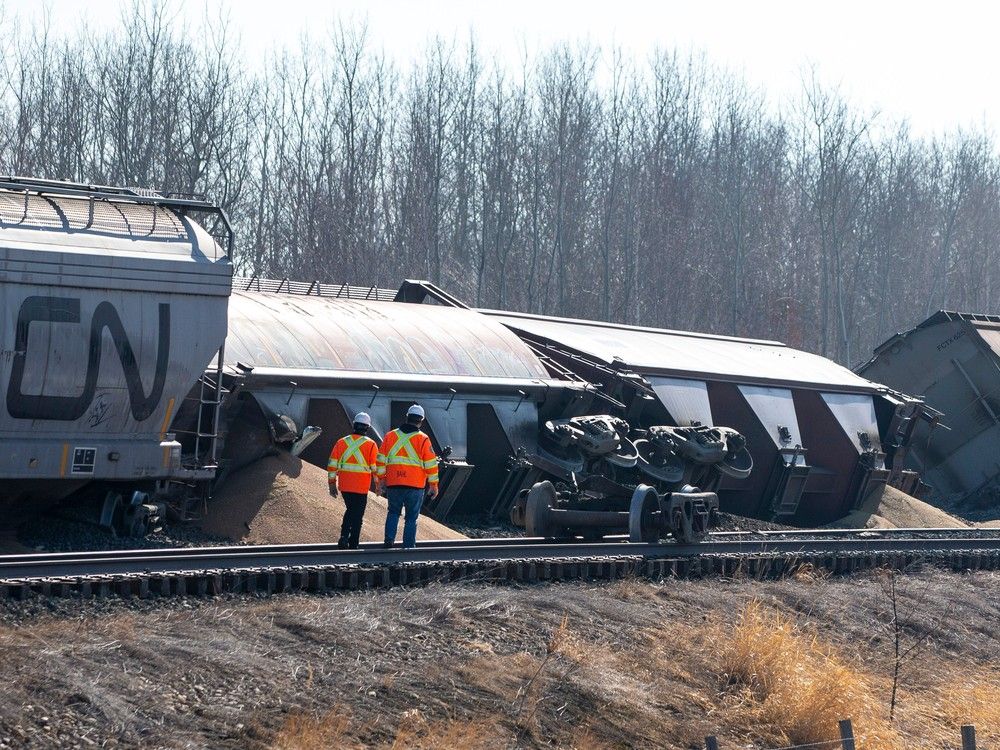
321, 567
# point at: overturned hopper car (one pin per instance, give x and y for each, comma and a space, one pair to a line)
953, 361
505, 392
302, 356
113, 304
821, 437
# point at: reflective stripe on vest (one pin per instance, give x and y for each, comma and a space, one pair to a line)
353, 450
404, 442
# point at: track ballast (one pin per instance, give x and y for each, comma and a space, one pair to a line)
323, 567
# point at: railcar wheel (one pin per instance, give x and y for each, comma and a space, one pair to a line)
739, 465
641, 525
137, 517
541, 497
667, 468
110, 509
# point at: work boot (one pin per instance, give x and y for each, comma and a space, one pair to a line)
387, 545
342, 543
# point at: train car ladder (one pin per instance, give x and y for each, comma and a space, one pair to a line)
210, 395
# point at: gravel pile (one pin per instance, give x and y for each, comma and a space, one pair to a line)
483, 527
284, 500
732, 522
889, 508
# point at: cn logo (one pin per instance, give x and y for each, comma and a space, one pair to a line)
70, 408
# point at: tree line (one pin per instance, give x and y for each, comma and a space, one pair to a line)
660, 191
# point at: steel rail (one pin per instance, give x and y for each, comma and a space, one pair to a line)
479, 542
912, 530
200, 560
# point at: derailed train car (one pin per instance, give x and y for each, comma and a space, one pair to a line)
952, 360
114, 303
597, 410
302, 357
821, 438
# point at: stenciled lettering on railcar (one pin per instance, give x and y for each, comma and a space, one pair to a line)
70, 408
951, 340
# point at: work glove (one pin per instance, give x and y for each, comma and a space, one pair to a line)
333, 490
432, 492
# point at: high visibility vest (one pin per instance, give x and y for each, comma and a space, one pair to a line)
406, 459
352, 463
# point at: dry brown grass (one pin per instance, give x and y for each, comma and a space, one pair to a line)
809, 573
631, 588
957, 699
336, 729
305, 732
787, 687
417, 733
628, 664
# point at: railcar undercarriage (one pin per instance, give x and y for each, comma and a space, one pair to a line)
595, 476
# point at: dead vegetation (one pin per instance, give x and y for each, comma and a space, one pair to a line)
788, 686
626, 664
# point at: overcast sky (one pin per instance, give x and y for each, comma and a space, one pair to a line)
933, 64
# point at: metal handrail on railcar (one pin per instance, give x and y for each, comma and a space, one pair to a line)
182, 204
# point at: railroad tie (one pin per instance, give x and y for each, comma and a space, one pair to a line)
366, 578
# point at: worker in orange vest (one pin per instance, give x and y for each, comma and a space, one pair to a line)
407, 469
350, 469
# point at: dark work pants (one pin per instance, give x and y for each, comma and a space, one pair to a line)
350, 529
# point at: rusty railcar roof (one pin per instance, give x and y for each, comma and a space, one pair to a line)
687, 354
311, 333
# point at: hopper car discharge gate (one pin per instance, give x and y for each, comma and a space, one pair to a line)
114, 301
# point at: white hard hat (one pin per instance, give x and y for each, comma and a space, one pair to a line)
362, 418
415, 411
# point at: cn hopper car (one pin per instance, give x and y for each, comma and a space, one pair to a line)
114, 305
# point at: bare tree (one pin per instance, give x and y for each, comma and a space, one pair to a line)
661, 191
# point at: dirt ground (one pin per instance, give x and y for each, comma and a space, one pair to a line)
576, 665
283, 500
